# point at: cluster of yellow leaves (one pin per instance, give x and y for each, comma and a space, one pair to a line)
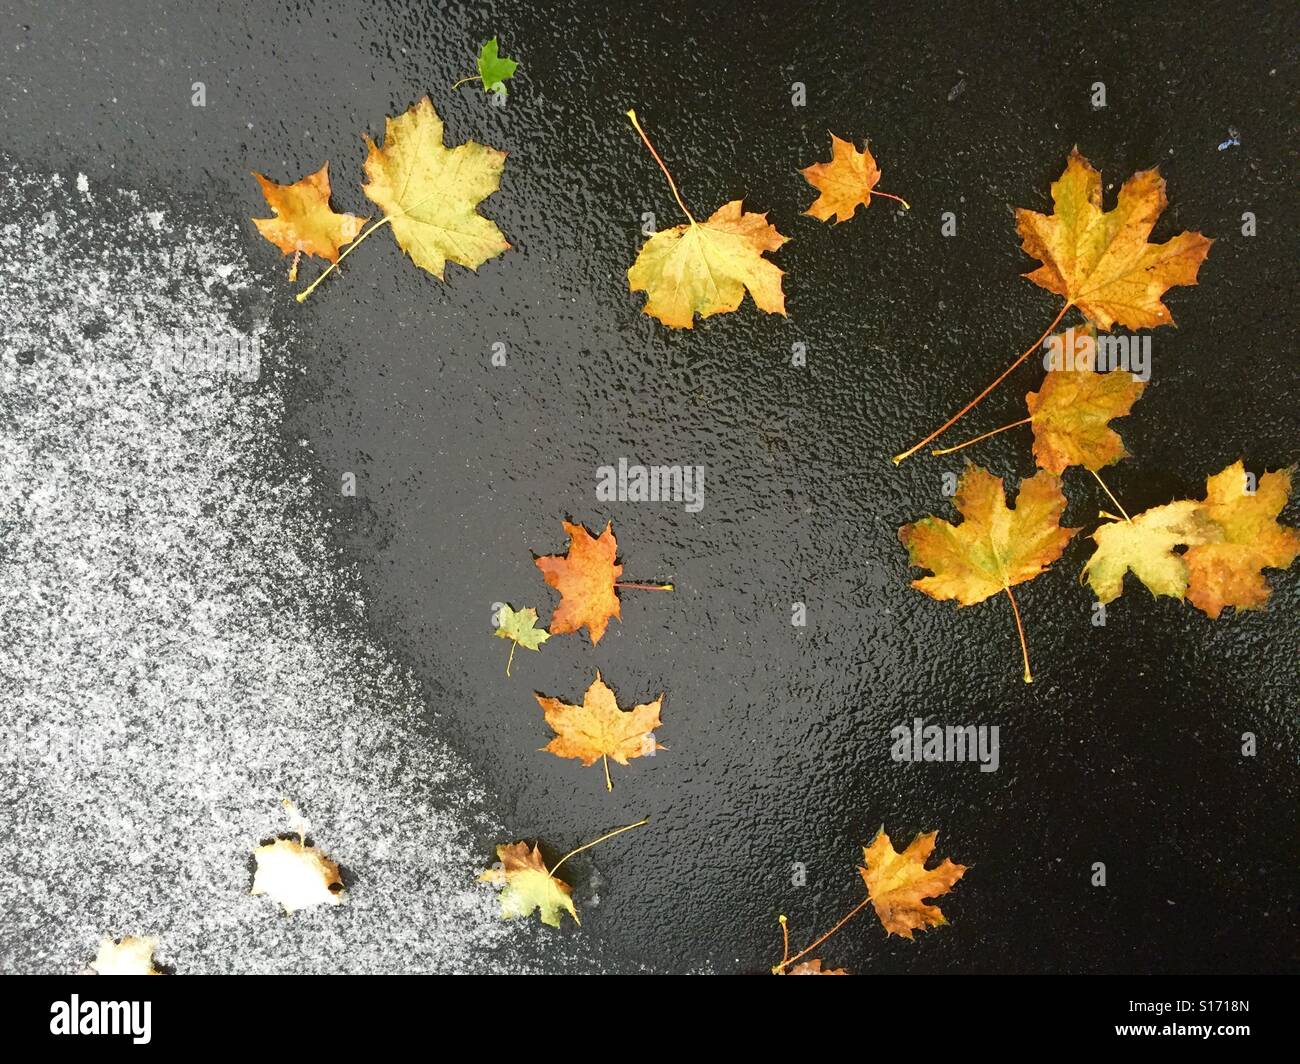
429, 194
1228, 539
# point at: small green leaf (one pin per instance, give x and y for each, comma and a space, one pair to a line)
494, 70
520, 626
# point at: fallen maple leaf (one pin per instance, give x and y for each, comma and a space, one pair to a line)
845, 183
705, 267
599, 729
429, 194
994, 548
814, 967
527, 886
127, 956
898, 883
296, 875
1100, 261
1071, 414
304, 223
1145, 544
1227, 572
586, 578
520, 626
494, 69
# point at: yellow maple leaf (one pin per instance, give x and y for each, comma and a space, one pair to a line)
1227, 572
599, 729
1100, 261
899, 883
845, 183
705, 267
1145, 544
1070, 415
429, 192
127, 956
304, 221
527, 886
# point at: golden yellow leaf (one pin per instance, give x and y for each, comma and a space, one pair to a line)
1100, 261
303, 218
898, 883
1070, 415
1145, 544
704, 268
585, 579
995, 547
1228, 572
429, 192
599, 729
128, 956
845, 183
528, 886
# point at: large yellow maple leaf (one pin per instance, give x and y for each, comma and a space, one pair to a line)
430, 193
995, 547
1227, 572
599, 729
1100, 261
899, 883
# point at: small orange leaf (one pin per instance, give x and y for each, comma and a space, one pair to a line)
899, 883
304, 221
845, 183
598, 728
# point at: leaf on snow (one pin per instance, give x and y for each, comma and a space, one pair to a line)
128, 956
899, 883
296, 875
527, 886
303, 218
431, 192
1100, 261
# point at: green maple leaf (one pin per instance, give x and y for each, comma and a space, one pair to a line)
494, 69
520, 626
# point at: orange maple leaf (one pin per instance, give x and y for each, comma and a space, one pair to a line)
598, 728
1228, 573
585, 579
304, 220
1100, 261
995, 547
845, 183
899, 883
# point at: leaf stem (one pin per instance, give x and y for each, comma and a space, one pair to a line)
1001, 377
889, 195
1112, 495
589, 845
1014, 424
778, 968
513, 644
338, 262
466, 81
671, 183
644, 587
609, 783
1020, 630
